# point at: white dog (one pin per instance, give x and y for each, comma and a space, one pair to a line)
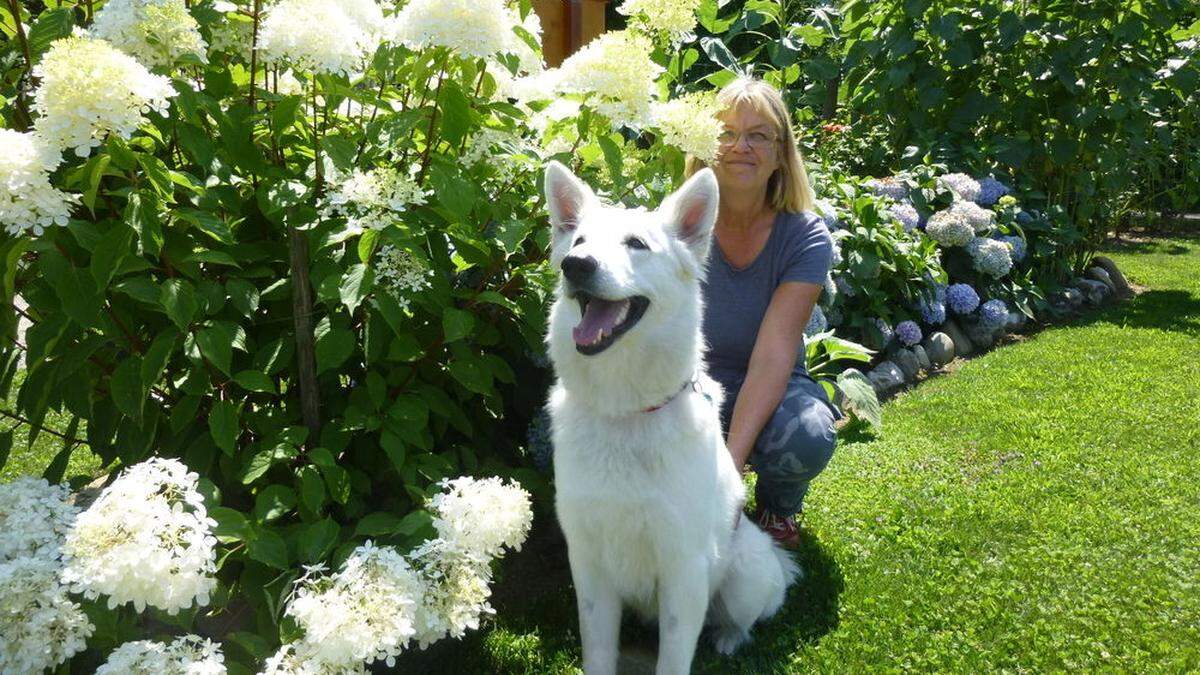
648, 496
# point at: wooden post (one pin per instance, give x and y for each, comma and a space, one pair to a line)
568, 25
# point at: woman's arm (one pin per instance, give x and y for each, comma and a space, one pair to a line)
771, 365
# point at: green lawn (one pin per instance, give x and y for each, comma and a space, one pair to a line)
1037, 510
82, 465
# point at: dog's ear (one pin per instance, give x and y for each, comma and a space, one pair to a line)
566, 197
691, 212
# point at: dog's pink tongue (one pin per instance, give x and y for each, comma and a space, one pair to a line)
601, 315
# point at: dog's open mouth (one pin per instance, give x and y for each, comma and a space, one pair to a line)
605, 320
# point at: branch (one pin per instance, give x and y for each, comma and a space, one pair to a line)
8, 413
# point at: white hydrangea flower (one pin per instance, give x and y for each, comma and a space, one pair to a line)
89, 90
34, 517
147, 540
186, 655
399, 271
364, 612
156, 32
482, 515
475, 28
40, 627
457, 589
990, 257
328, 36
963, 186
979, 218
234, 35
676, 19
949, 228
506, 151
690, 123
289, 661
370, 199
28, 202
616, 74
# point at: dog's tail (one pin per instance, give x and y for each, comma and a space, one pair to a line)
754, 586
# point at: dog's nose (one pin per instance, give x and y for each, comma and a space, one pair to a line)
579, 269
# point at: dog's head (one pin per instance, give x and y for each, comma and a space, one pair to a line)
629, 278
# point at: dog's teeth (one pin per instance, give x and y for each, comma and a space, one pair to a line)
624, 312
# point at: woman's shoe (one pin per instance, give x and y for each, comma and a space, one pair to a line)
783, 529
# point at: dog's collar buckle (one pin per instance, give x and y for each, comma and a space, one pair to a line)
694, 383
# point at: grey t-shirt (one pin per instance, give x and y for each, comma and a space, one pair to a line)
799, 248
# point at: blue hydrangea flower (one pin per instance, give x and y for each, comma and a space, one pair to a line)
888, 186
908, 332
816, 322
906, 214
993, 313
933, 312
990, 191
962, 185
885, 329
844, 286
833, 316
962, 299
1024, 218
1019, 249
541, 448
829, 291
836, 258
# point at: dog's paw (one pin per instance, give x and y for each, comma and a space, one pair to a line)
727, 639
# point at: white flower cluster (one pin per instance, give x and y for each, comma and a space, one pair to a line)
233, 35
475, 28
40, 627
990, 257
949, 228
147, 540
34, 518
963, 186
399, 271
28, 202
327, 36
380, 601
979, 218
676, 19
506, 151
690, 123
186, 655
89, 90
616, 74
371, 199
156, 32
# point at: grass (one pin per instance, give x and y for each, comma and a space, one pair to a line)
24, 459
1036, 510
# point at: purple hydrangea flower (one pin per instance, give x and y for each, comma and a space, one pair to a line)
933, 312
962, 299
993, 313
1019, 249
906, 214
1024, 218
888, 186
990, 191
908, 332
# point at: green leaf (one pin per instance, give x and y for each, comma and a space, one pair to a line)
50, 25
377, 524
216, 344
107, 255
268, 548
472, 374
252, 380
355, 286
156, 358
318, 539
312, 489
274, 501
208, 224
333, 345
125, 385
231, 524
720, 54
860, 396
414, 522
224, 425
244, 295
456, 112
456, 324
95, 174
454, 194
6, 439
394, 448
178, 298
74, 289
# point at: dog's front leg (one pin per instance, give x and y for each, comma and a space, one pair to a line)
682, 603
599, 616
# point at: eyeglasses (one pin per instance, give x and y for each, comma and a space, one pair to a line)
758, 140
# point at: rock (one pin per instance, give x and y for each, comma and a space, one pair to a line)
1015, 321
922, 357
908, 362
886, 377
981, 336
1099, 274
940, 348
1094, 292
962, 343
1120, 285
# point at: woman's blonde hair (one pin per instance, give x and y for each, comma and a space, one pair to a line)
788, 188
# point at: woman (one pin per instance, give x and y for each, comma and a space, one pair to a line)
765, 272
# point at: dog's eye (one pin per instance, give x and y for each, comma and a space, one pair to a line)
577, 242
634, 242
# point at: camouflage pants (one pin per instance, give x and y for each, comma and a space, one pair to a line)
794, 445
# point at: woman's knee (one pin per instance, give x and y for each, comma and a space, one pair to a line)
800, 438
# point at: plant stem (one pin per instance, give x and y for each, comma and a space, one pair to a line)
39, 427
254, 51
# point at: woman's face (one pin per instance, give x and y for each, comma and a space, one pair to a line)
749, 151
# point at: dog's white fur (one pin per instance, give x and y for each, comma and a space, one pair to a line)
649, 502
